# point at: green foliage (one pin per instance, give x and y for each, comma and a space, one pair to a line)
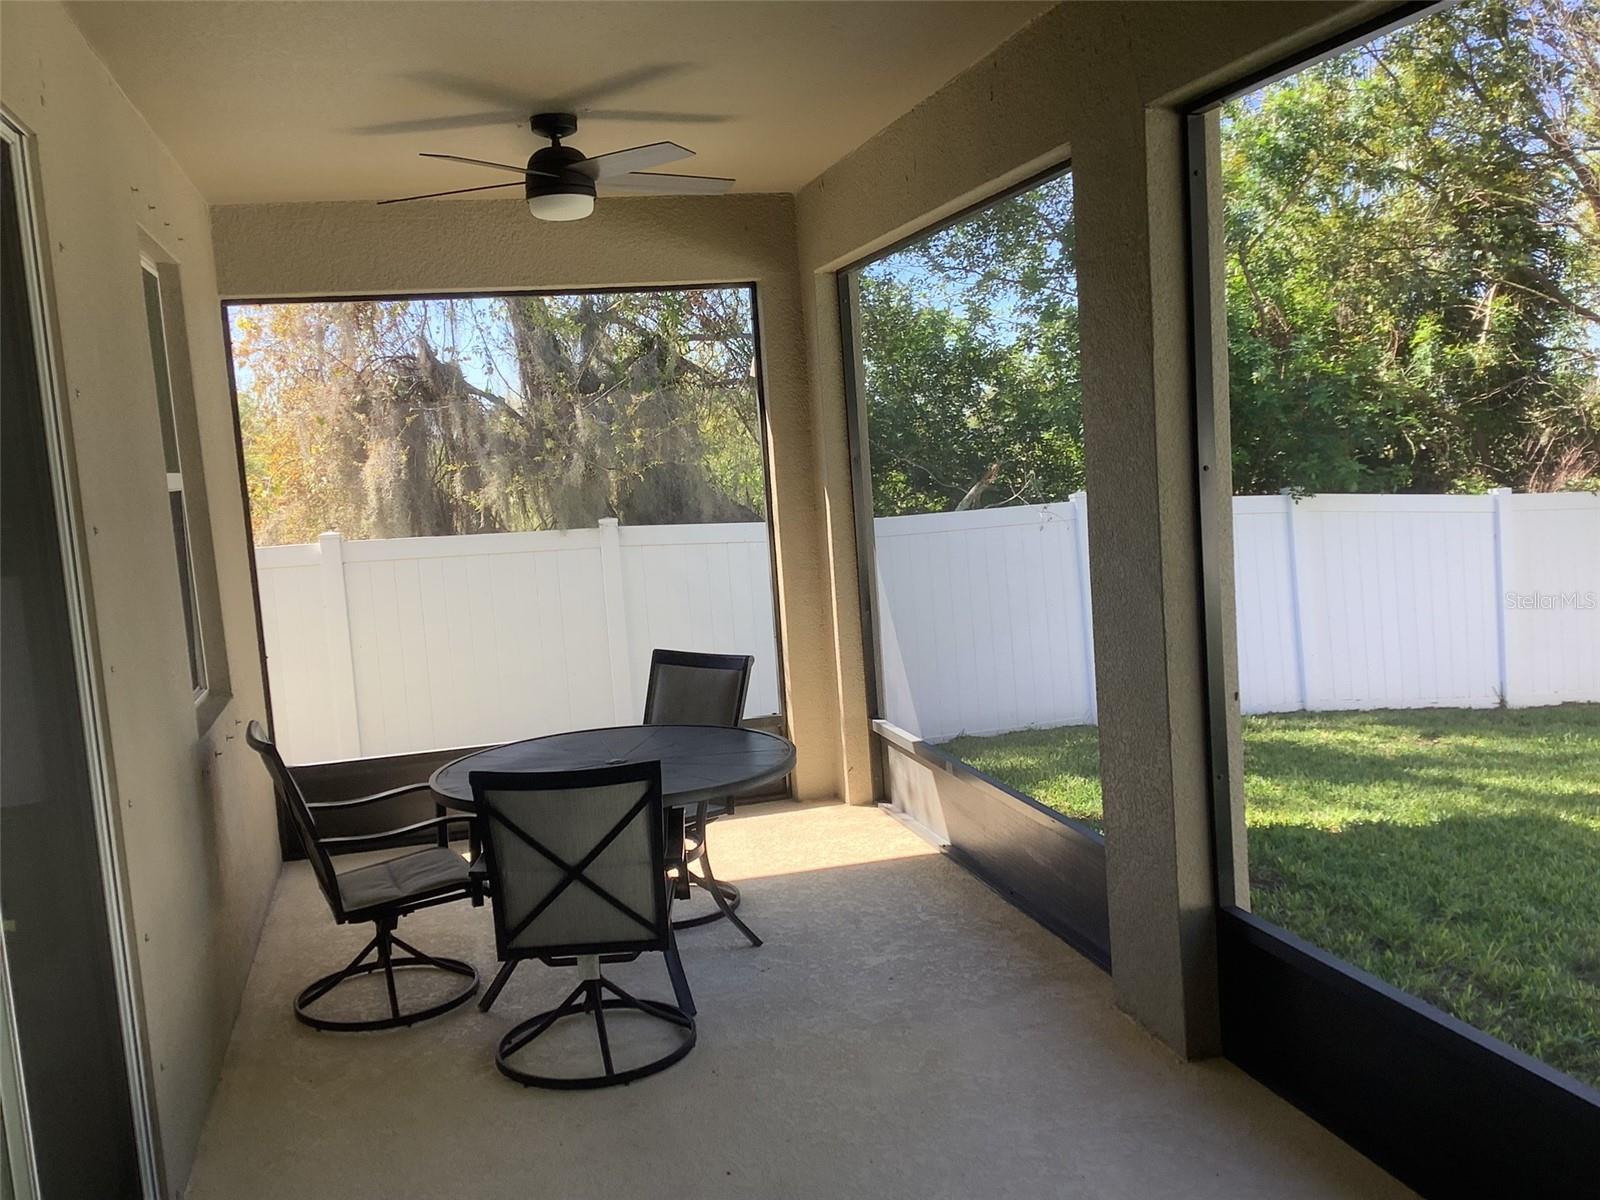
1413, 278
1413, 287
970, 355
1450, 852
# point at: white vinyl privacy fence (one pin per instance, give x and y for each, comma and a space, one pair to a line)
387, 647
1344, 602
983, 619
1417, 601
384, 647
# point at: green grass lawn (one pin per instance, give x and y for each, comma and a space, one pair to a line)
1452, 852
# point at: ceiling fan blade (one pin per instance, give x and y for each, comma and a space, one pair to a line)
621, 82
574, 101
478, 120
634, 158
663, 118
667, 185
483, 162
488, 187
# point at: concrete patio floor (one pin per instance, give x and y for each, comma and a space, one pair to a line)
903, 1033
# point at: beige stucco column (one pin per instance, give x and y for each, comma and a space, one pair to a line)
836, 530
1145, 566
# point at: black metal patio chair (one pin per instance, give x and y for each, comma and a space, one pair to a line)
381, 892
577, 867
691, 688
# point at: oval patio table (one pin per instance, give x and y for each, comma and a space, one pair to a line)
699, 764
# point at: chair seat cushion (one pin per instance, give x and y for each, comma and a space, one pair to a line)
397, 879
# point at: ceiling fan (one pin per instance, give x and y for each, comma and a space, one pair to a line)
561, 181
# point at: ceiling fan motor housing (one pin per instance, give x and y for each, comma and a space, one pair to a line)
558, 174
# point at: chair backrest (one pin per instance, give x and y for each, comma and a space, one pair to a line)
576, 859
689, 688
294, 806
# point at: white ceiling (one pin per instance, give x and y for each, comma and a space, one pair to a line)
272, 101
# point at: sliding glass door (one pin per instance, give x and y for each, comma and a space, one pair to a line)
68, 1116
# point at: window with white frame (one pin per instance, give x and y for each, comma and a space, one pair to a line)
184, 498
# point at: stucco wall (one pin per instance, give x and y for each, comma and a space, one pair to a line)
198, 833
1103, 84
285, 250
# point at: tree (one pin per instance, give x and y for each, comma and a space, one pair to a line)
639, 405
969, 343
410, 417
1413, 281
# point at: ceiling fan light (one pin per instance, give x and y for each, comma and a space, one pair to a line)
561, 206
